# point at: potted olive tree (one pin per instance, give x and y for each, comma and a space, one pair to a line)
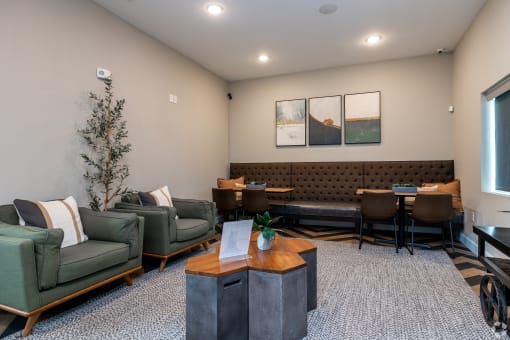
104, 133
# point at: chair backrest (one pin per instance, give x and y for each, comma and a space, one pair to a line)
225, 199
255, 201
378, 205
433, 207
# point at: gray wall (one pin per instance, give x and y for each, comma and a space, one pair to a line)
415, 95
50, 51
481, 59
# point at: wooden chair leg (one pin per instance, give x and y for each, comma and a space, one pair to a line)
128, 280
205, 245
162, 264
32, 319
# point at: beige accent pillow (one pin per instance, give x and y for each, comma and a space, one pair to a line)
232, 184
241, 186
452, 188
158, 198
62, 214
229, 183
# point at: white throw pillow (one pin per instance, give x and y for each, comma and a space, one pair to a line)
62, 214
158, 198
162, 197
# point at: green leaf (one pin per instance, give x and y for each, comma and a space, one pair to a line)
268, 234
259, 219
266, 216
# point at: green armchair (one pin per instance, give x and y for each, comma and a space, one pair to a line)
172, 230
37, 274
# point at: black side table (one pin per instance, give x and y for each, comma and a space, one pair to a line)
494, 289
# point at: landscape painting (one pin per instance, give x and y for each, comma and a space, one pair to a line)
291, 122
362, 118
325, 121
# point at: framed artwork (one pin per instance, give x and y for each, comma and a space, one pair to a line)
362, 118
325, 120
291, 122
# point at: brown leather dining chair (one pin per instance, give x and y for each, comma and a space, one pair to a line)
378, 207
255, 201
226, 202
432, 209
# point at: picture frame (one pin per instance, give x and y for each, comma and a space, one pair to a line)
362, 118
325, 120
290, 122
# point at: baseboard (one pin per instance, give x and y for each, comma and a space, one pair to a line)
473, 246
468, 242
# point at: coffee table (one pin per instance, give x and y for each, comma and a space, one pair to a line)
265, 296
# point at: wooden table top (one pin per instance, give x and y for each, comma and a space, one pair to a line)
281, 258
274, 190
360, 191
279, 190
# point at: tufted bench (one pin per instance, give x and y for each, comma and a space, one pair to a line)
273, 174
327, 190
381, 175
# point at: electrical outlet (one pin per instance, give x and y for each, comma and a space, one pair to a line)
473, 217
172, 98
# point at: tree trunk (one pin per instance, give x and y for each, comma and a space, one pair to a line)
106, 179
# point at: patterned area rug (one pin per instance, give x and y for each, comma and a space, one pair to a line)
465, 261
373, 294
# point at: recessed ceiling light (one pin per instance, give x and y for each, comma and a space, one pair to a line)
373, 39
263, 58
328, 8
215, 9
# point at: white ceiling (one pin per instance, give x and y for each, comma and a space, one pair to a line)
293, 32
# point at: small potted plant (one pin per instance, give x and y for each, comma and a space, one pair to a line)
404, 187
263, 224
256, 185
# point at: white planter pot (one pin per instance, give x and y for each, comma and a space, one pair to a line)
262, 243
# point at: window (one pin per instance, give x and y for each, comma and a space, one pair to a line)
496, 138
502, 142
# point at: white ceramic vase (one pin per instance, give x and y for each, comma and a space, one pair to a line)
262, 243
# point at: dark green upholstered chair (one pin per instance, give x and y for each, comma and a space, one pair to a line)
173, 230
37, 274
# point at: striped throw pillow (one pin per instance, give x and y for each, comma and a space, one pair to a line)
61, 214
157, 198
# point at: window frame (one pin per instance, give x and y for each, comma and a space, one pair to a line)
488, 136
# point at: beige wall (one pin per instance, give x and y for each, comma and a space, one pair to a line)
481, 59
415, 95
50, 51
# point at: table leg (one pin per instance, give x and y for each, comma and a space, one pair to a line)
401, 220
481, 246
402, 223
